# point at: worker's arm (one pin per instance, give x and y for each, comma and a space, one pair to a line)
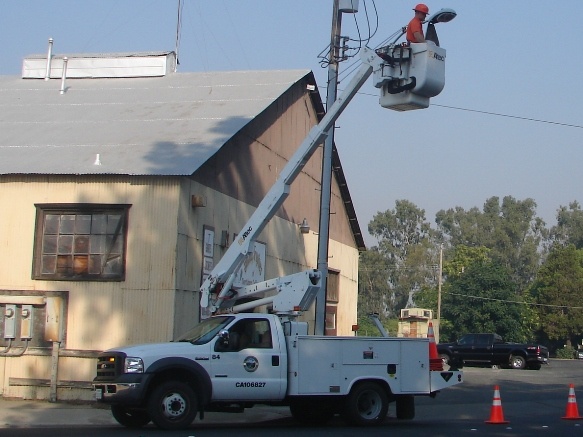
419, 37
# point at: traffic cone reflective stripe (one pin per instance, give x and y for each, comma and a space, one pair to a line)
435, 363
496, 414
572, 412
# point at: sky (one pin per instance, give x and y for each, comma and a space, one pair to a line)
508, 122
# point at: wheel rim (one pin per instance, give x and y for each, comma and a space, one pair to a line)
174, 405
517, 362
369, 404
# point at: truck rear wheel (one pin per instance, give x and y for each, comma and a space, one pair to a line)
129, 417
517, 362
172, 405
366, 405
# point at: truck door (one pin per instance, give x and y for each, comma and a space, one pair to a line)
250, 366
483, 350
467, 347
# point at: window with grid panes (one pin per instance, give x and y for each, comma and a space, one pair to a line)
80, 242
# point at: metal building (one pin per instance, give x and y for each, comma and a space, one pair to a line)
123, 183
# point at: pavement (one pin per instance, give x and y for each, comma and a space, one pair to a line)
18, 413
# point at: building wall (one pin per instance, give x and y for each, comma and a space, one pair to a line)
97, 315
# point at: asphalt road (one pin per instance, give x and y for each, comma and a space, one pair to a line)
533, 402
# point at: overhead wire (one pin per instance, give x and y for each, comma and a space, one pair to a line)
496, 114
516, 301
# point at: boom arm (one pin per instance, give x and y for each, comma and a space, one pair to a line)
216, 290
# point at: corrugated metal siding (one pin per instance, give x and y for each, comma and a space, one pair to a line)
115, 308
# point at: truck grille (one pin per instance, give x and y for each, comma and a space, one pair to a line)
110, 365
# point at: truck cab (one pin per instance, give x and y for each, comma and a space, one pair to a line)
246, 351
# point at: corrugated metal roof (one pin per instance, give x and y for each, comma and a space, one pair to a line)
144, 126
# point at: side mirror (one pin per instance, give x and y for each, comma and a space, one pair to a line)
224, 337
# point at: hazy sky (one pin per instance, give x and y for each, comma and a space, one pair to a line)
509, 121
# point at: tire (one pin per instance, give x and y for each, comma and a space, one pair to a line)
366, 405
444, 359
172, 405
312, 413
130, 418
405, 407
517, 362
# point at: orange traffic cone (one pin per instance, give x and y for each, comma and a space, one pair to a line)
435, 362
496, 414
572, 413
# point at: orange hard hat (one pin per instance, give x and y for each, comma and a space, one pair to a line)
421, 8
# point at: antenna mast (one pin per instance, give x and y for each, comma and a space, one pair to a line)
178, 31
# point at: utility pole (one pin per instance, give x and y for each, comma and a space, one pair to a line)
325, 195
439, 292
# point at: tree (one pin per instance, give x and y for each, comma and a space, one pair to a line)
407, 243
483, 299
510, 229
464, 256
558, 291
569, 228
373, 288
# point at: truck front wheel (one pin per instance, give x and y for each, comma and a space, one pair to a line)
366, 405
130, 418
517, 362
172, 405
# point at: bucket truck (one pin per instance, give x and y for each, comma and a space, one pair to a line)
235, 359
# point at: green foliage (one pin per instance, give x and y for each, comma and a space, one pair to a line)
464, 256
566, 353
483, 299
492, 254
569, 228
373, 295
558, 289
509, 229
367, 328
407, 244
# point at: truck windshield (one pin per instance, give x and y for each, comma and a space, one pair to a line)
206, 330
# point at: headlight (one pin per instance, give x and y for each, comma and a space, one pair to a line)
133, 365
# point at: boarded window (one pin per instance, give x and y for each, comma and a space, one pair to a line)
80, 242
333, 286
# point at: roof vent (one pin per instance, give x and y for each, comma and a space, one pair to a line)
147, 64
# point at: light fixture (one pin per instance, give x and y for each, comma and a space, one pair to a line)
197, 201
304, 226
442, 16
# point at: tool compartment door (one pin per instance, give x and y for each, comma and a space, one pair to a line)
318, 369
414, 366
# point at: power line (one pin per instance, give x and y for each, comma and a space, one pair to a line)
497, 114
516, 301
536, 120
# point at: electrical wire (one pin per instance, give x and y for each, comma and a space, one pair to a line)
536, 120
496, 114
515, 301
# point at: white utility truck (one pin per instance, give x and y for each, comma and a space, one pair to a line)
236, 359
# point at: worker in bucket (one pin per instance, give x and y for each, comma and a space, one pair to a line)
415, 26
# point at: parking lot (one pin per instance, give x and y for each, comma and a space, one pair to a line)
531, 400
